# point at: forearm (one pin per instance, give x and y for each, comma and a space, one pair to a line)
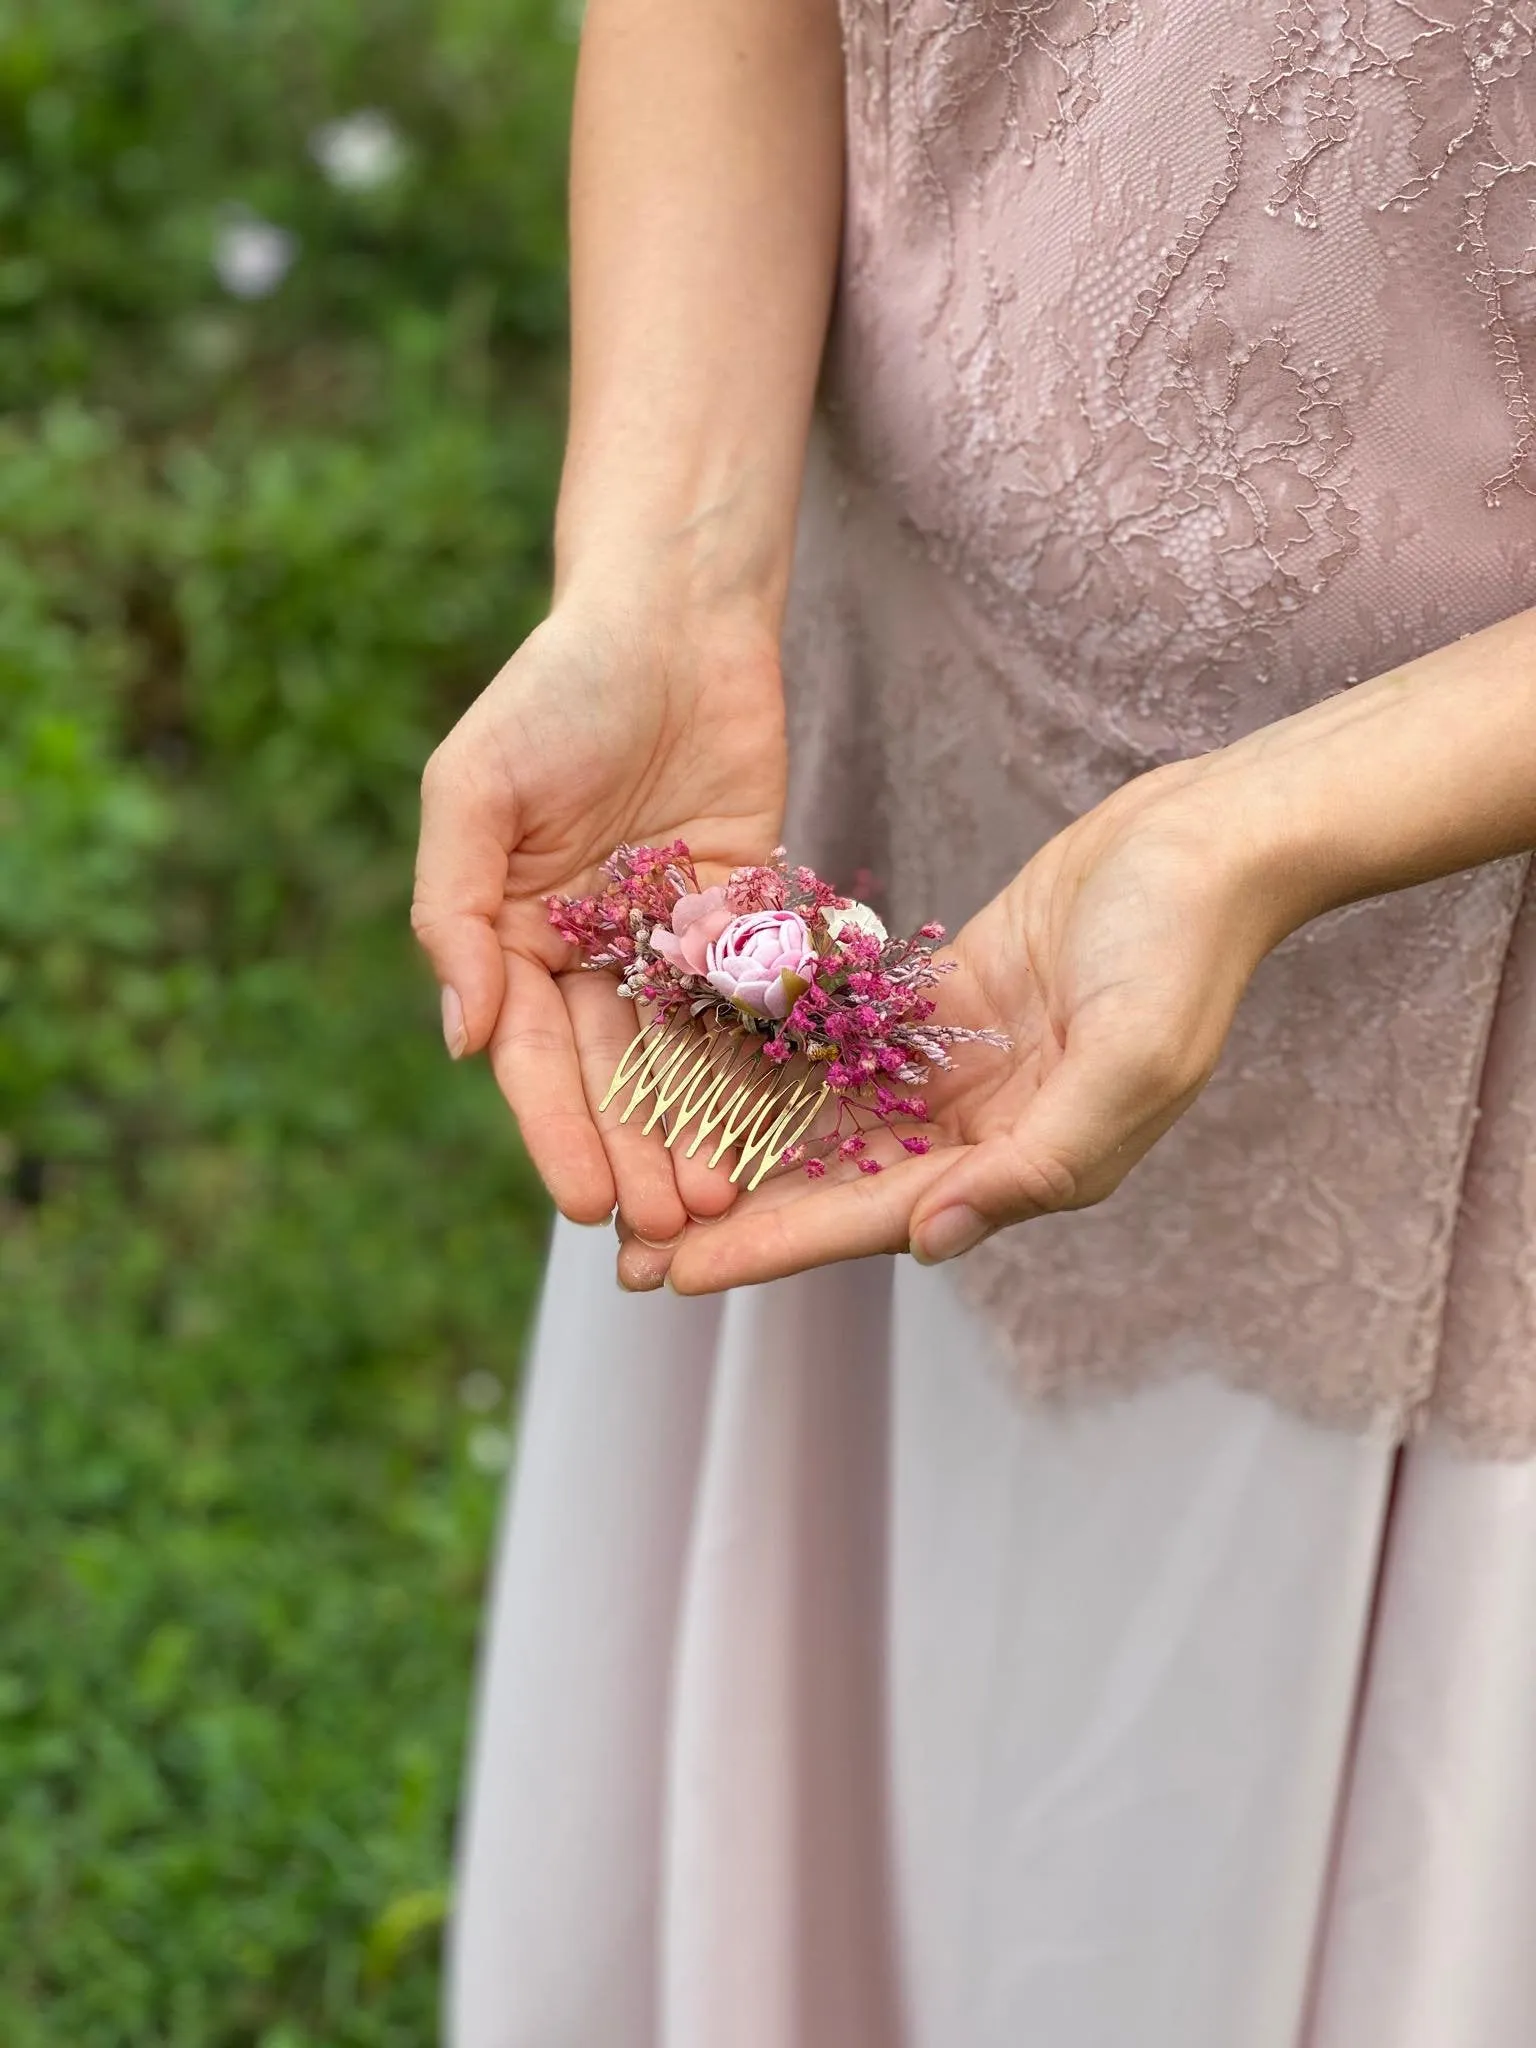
706, 191
1420, 772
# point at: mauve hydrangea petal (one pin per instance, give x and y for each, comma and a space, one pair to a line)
861, 1011
698, 918
691, 907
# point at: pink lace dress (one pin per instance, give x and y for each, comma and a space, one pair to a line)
1067, 1650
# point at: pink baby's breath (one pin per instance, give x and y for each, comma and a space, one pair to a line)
861, 1007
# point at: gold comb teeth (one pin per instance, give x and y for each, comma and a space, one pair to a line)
770, 997
698, 1081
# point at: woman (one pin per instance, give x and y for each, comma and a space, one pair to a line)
1058, 1646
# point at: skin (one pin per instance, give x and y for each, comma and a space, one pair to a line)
705, 194
599, 730
706, 183
1117, 958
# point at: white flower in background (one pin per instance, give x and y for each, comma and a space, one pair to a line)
490, 1450
251, 256
360, 151
856, 917
481, 1391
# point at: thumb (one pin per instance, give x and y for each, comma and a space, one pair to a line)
461, 874
1081, 1134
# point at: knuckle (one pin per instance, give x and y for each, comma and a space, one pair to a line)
519, 1042
1046, 1181
773, 1242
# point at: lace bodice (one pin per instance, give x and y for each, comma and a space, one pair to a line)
1182, 373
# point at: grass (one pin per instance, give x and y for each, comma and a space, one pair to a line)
266, 1258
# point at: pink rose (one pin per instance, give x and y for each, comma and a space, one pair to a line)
696, 919
750, 958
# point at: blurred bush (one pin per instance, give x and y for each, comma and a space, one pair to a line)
281, 305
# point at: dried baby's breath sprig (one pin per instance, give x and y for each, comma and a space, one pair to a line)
769, 997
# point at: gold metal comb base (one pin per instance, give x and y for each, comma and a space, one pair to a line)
697, 1081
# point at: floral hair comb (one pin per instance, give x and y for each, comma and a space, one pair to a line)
770, 996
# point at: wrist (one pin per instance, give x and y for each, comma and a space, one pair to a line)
1255, 838
1275, 831
684, 635
724, 550
665, 583
700, 580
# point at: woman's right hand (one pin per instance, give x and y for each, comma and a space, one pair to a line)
637, 723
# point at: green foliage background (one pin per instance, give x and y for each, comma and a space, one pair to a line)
266, 1257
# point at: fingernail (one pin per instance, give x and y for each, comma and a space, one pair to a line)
638, 1274
455, 1037
948, 1234
660, 1244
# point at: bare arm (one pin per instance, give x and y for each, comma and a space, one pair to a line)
1116, 959
1426, 769
706, 196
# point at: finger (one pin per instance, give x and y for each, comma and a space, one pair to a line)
641, 1268
533, 1056
1094, 1117
788, 1228
707, 1191
461, 872
644, 1182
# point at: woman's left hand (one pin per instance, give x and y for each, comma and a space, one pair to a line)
1117, 958
1114, 963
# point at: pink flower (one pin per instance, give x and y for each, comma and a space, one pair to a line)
749, 959
697, 920
758, 888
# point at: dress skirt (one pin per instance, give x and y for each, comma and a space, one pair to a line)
834, 1694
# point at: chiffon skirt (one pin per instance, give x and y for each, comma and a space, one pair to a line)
834, 1696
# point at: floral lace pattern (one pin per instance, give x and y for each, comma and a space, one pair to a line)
989, 83
1137, 436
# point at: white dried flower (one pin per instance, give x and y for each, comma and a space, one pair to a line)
251, 256
856, 917
359, 152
